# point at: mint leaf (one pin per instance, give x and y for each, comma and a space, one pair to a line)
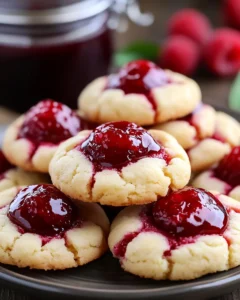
136, 50
148, 49
234, 96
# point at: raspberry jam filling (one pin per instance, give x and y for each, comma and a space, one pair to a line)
193, 120
115, 145
180, 216
4, 165
228, 169
139, 77
190, 212
217, 136
50, 122
44, 210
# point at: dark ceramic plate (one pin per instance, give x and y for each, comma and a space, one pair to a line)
104, 279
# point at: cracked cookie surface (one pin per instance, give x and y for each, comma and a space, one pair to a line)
165, 251
193, 128
11, 176
211, 150
18, 177
76, 246
119, 164
141, 93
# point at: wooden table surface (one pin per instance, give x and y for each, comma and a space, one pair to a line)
215, 91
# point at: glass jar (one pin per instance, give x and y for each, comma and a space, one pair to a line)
51, 51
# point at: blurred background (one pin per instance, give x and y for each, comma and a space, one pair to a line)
162, 11
52, 49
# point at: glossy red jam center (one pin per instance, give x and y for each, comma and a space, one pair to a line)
44, 210
4, 164
138, 77
116, 144
228, 169
50, 122
180, 217
190, 212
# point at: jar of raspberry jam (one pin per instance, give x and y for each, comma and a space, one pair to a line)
51, 49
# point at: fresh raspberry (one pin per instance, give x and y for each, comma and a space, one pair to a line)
231, 13
179, 54
190, 23
222, 53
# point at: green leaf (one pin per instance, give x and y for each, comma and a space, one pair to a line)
121, 59
136, 50
234, 96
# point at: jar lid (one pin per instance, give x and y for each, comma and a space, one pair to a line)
41, 12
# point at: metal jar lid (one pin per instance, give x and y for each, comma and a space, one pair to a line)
58, 13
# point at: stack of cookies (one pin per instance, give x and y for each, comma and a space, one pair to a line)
41, 227
148, 96
125, 147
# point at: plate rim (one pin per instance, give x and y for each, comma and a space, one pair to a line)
211, 286
187, 288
